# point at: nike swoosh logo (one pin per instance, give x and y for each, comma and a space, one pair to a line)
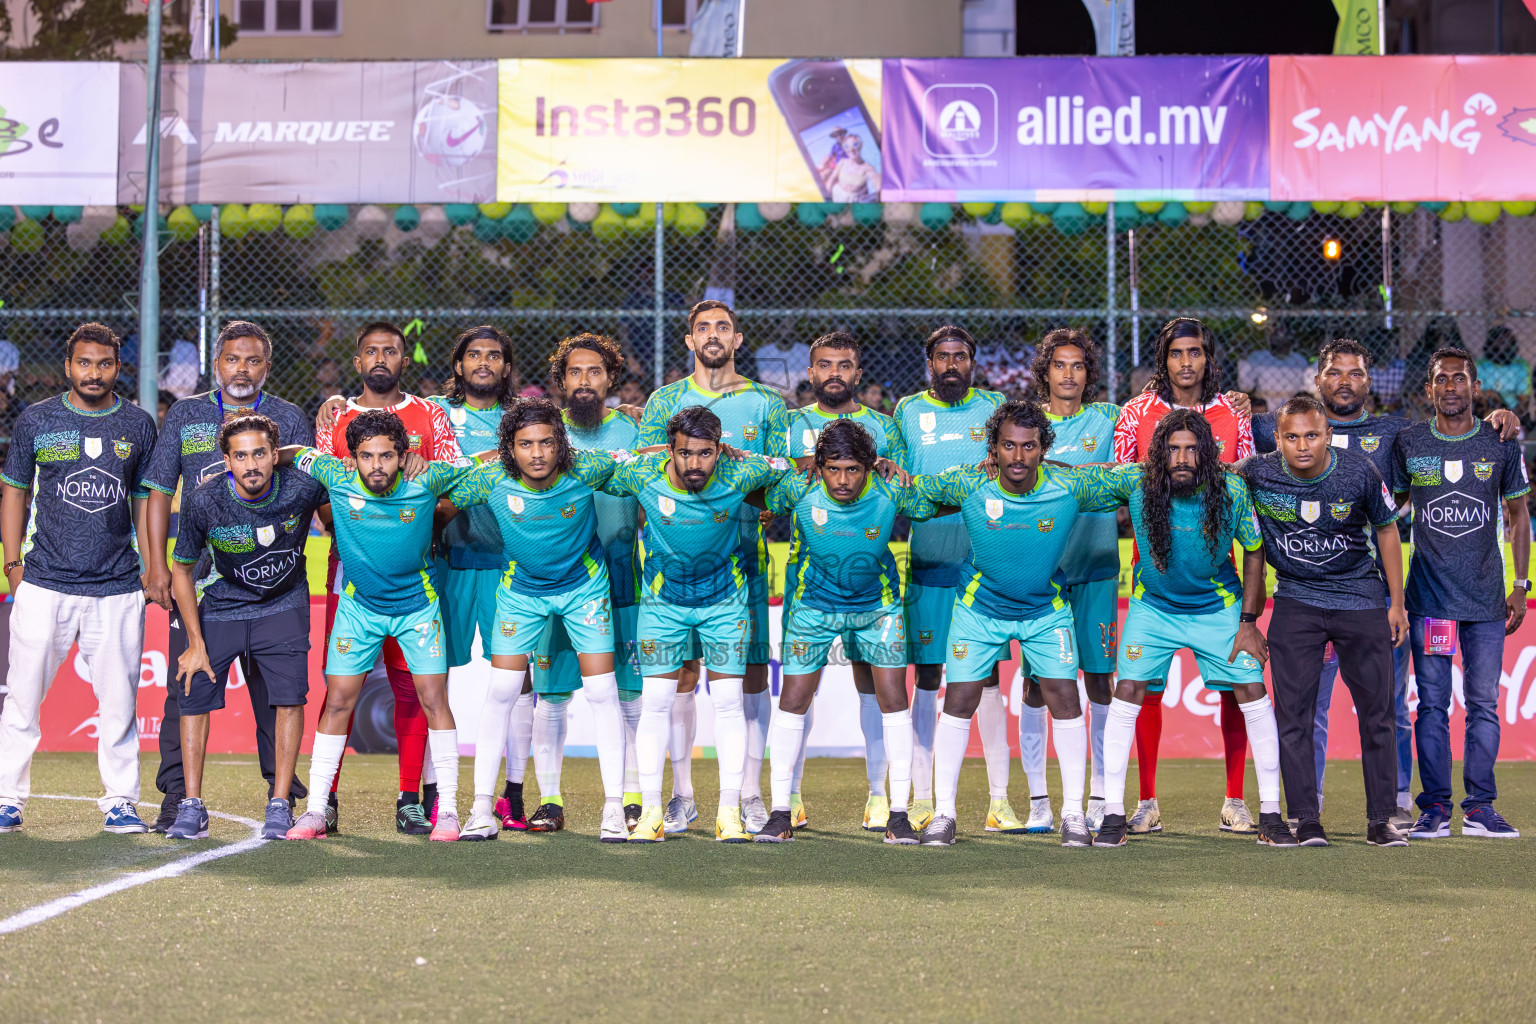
458, 140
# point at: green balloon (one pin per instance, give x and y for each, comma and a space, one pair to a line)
332, 216
67, 214
868, 214
626, 209
936, 215
812, 215
750, 218
407, 218
1299, 211
202, 211
7, 217
520, 225
1172, 214
488, 230
36, 212
1127, 216
460, 214
1276, 206
1070, 218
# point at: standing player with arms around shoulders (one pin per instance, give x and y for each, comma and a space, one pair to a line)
380, 361
1187, 376
942, 428
1187, 511
73, 501
383, 528
186, 455
1320, 508
692, 583
1463, 482
541, 493
1066, 371
253, 520
844, 584
752, 419
834, 375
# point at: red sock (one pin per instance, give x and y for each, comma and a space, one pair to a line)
1149, 733
1234, 740
410, 727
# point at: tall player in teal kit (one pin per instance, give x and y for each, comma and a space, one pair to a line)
753, 419
1066, 371
944, 427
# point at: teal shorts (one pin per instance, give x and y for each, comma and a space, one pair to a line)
877, 636
523, 619
1151, 636
928, 611
558, 671
664, 634
469, 603
977, 642
358, 633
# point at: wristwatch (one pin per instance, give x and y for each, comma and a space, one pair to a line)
1247, 617
1522, 584
12, 565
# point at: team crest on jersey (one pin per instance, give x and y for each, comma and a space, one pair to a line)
648, 648
93, 447
871, 533
799, 648
928, 421
925, 637
721, 517
356, 502
515, 503
1133, 652
343, 645
1340, 509
1311, 510
959, 651
1090, 443
407, 515
819, 516
265, 535
1221, 446
994, 508
543, 660
122, 449
1482, 470
808, 440
566, 511
508, 629
978, 433
667, 505
1046, 525
413, 441
290, 524
1369, 443
1452, 470
749, 433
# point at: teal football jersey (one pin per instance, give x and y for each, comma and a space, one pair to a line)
549, 536
384, 540
1093, 551
806, 424
938, 437
1200, 577
472, 539
687, 554
618, 520
840, 555
1017, 540
752, 418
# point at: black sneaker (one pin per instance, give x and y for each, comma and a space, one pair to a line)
410, 818
1384, 833
1273, 831
1112, 831
429, 801
940, 831
899, 830
777, 829
548, 818
1074, 830
332, 815
631, 815
279, 819
167, 816
1310, 833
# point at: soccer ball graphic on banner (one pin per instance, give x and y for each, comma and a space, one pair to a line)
450, 131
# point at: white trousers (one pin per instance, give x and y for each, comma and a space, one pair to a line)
44, 623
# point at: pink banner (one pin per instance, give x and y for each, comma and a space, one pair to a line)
1402, 128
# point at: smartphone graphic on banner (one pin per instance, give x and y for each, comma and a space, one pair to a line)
837, 138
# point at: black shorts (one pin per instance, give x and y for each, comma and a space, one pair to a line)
275, 645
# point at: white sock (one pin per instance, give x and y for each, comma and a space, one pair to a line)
1098, 714
494, 728
897, 729
602, 693
730, 737
784, 745
758, 708
549, 727
925, 707
1264, 738
520, 737
324, 761
1032, 736
810, 720
630, 709
1119, 732
1072, 758
874, 743
656, 699
444, 744
950, 739
428, 769
992, 722
681, 728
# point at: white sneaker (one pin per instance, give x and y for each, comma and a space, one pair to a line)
1040, 818
1235, 817
1146, 819
1095, 813
614, 828
754, 815
479, 828
680, 814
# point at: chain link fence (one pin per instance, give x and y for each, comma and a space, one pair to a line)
1275, 281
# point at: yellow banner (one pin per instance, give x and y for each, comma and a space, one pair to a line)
710, 130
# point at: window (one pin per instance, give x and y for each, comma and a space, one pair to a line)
289, 17
521, 15
678, 14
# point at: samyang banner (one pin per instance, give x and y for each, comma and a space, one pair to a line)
701, 130
58, 133
1068, 128
1403, 128
356, 132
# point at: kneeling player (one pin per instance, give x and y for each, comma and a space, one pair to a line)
254, 519
383, 527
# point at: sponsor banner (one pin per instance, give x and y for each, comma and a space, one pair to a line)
58, 133
357, 132
1403, 128
1059, 129
689, 130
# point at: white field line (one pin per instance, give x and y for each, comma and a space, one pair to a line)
53, 908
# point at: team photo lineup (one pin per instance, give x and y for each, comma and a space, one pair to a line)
578, 542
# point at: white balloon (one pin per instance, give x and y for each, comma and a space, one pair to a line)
583, 213
774, 211
434, 225
1228, 213
900, 213
372, 222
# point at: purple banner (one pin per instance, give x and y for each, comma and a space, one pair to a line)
1057, 129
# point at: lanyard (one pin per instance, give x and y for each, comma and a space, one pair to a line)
218, 396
